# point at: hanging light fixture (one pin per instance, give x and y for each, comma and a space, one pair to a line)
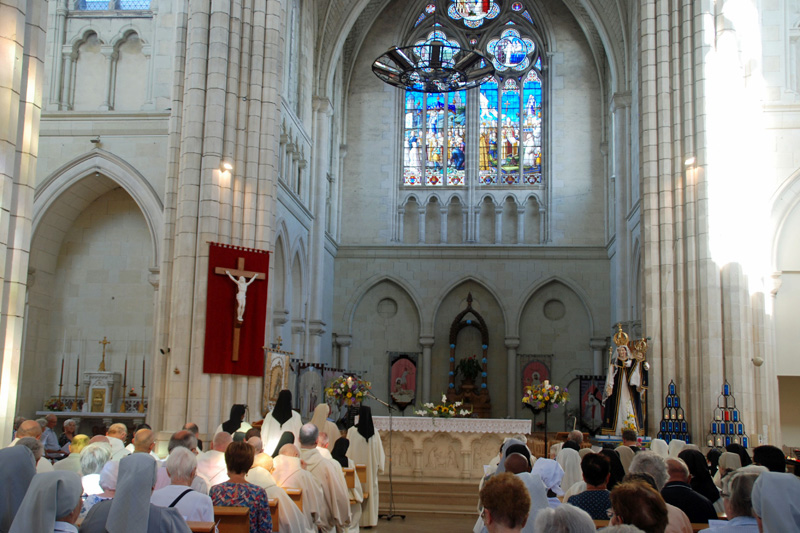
435, 65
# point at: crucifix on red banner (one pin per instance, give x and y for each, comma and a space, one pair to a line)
236, 310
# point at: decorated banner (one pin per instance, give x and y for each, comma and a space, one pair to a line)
236, 310
276, 377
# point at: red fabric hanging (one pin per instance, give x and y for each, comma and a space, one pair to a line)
221, 309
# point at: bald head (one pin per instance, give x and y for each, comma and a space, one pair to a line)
29, 428
255, 442
289, 450
143, 441
98, 438
677, 470
51, 420
516, 463
575, 436
221, 441
79, 442
118, 431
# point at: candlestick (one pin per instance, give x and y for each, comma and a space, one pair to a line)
125, 375
143, 363
61, 379
77, 373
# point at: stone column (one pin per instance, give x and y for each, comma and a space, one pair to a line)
59, 38
464, 223
512, 343
498, 224
298, 336
69, 59
521, 224
443, 224
401, 218
22, 47
110, 56
426, 343
476, 216
344, 342
598, 345
421, 212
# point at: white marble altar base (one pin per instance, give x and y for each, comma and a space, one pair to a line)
449, 448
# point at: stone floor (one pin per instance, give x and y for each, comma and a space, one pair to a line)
435, 523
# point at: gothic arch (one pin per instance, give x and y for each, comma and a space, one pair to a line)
364, 288
82, 35
783, 202
115, 168
124, 33
439, 298
539, 285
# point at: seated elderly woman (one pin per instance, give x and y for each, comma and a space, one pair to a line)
93, 459
237, 492
737, 489
637, 503
564, 519
108, 482
505, 503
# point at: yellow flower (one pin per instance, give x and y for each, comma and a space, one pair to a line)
349, 394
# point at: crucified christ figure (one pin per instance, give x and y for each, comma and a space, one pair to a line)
241, 295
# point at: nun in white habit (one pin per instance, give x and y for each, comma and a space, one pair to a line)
131, 508
17, 468
52, 503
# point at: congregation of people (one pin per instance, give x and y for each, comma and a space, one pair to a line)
72, 482
671, 488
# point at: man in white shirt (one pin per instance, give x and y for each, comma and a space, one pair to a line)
336, 506
116, 435
182, 469
211, 464
28, 428
49, 438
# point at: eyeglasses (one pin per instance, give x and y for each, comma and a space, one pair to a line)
610, 513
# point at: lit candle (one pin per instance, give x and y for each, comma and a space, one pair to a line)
546, 383
61, 379
710, 442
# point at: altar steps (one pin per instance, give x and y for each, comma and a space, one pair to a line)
444, 496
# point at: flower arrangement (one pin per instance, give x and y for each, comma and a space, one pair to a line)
469, 368
545, 395
348, 390
630, 422
444, 409
54, 404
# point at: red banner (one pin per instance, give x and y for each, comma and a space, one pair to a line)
234, 346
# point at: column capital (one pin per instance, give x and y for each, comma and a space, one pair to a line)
344, 340
322, 104
316, 327
776, 282
620, 100
512, 342
426, 342
154, 276
598, 343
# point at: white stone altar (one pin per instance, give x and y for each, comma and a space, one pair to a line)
444, 448
102, 391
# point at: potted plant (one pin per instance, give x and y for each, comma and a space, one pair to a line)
469, 368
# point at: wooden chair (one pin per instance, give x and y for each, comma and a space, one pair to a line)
350, 477
297, 497
201, 527
232, 519
274, 514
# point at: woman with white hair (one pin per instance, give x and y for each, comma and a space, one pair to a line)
108, 482
51, 504
93, 459
131, 511
564, 519
737, 492
182, 469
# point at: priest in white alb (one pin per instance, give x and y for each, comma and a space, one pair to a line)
290, 518
281, 418
366, 448
211, 464
289, 474
334, 487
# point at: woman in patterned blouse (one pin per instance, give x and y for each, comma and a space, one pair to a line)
236, 492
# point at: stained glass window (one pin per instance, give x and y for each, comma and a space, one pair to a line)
502, 120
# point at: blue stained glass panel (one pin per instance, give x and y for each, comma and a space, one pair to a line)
532, 129
487, 164
456, 137
412, 141
510, 108
435, 139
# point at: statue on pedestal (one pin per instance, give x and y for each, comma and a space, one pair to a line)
626, 384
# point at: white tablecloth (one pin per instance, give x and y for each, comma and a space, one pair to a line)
453, 425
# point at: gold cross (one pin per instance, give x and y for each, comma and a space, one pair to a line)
103, 362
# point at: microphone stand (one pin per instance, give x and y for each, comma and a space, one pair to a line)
391, 514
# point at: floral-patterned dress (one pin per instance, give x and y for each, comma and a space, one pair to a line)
245, 495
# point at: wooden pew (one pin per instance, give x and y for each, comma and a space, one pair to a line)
297, 497
232, 519
598, 524
273, 512
361, 470
350, 477
201, 527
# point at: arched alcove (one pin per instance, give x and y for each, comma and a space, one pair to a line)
386, 319
554, 322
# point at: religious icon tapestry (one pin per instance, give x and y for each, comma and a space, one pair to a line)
236, 310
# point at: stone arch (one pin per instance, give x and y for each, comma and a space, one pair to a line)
124, 33
572, 285
89, 166
782, 203
82, 35
442, 294
366, 285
